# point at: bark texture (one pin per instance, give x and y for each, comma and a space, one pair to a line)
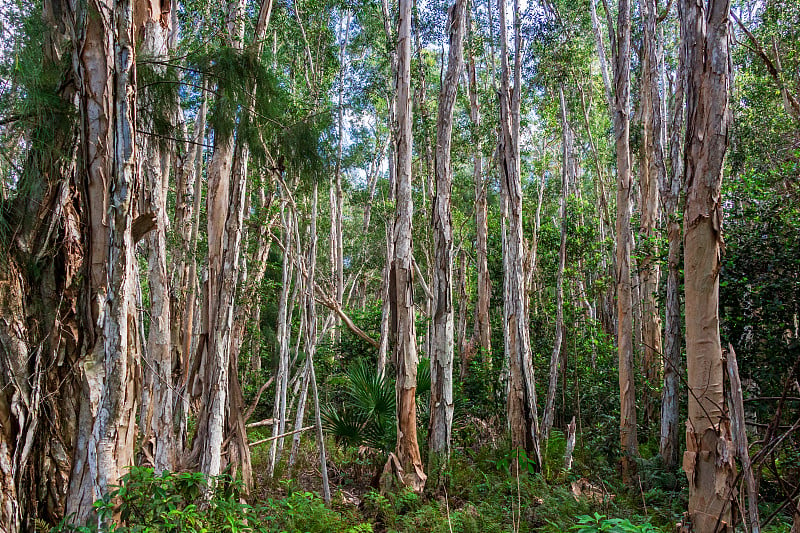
653, 172
40, 321
441, 420
107, 423
401, 285
567, 171
521, 399
621, 47
708, 460
482, 334
670, 189
156, 419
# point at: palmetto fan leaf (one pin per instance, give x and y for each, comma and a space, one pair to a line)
424, 376
371, 393
368, 414
345, 425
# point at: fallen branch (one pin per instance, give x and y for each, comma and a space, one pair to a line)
268, 439
736, 409
265, 422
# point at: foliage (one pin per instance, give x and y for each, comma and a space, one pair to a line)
148, 503
367, 415
598, 523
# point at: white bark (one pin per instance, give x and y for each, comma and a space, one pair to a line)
441, 420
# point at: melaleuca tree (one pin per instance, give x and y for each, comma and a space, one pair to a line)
41, 266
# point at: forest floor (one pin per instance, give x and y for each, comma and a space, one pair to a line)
482, 492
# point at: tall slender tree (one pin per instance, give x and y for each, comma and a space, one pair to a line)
621, 54
156, 418
670, 189
401, 285
441, 421
653, 172
521, 401
567, 172
708, 460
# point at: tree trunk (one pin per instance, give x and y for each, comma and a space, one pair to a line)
156, 419
386, 286
191, 303
567, 169
670, 196
311, 342
708, 460
402, 279
521, 404
441, 402
482, 334
283, 333
621, 46
337, 195
40, 326
107, 423
653, 173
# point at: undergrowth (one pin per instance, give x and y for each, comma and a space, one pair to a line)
482, 492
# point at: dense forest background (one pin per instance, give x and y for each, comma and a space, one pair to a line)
356, 265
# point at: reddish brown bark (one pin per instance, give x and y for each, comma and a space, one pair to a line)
708, 460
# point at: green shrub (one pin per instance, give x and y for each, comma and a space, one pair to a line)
185, 503
600, 523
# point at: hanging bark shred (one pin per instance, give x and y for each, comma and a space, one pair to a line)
736, 408
107, 423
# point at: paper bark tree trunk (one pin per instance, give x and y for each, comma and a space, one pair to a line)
567, 170
107, 423
521, 398
670, 190
621, 53
401, 291
481, 336
391, 100
441, 420
40, 325
156, 419
653, 172
709, 457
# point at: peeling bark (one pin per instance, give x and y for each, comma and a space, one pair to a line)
442, 344
401, 286
41, 329
621, 53
708, 460
521, 398
670, 190
653, 172
156, 418
107, 423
